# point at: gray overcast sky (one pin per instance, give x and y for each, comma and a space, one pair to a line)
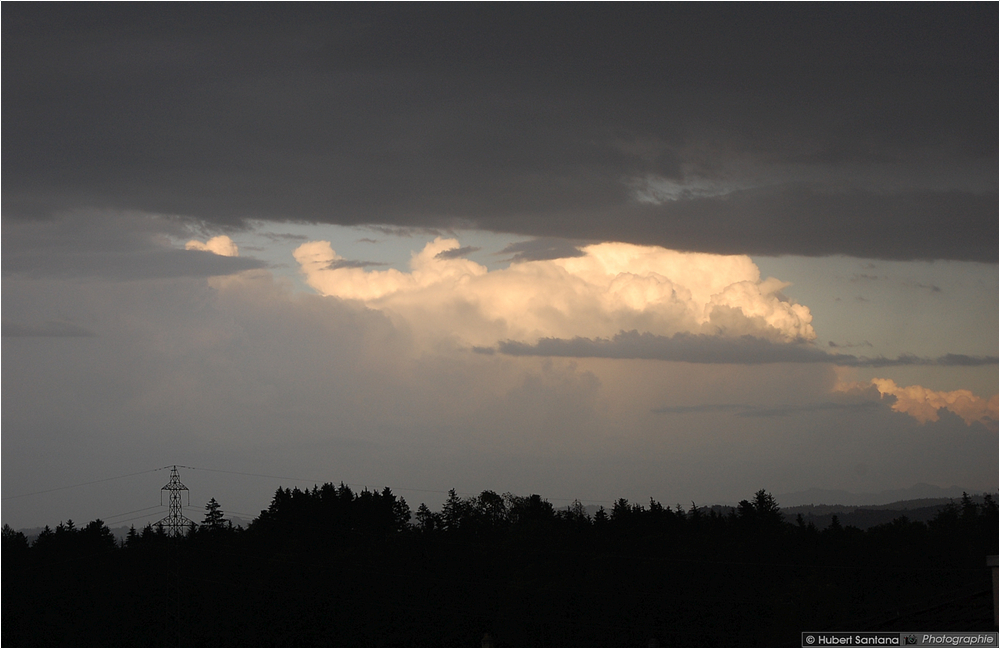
498, 246
856, 129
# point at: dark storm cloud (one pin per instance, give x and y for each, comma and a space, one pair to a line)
350, 263
683, 347
109, 246
127, 265
541, 250
864, 343
275, 237
456, 253
864, 130
965, 361
948, 360
703, 348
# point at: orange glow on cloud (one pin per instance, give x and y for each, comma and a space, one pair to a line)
923, 404
612, 287
221, 245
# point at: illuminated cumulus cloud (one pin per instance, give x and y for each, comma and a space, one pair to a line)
221, 245
923, 404
610, 287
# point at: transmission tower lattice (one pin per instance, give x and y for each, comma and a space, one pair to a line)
175, 522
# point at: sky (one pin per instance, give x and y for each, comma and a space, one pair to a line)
644, 251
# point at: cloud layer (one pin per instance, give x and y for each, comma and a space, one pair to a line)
607, 288
924, 404
702, 348
870, 131
114, 245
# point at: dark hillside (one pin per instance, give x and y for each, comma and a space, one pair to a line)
331, 567
922, 510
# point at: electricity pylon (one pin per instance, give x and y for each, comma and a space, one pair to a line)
175, 521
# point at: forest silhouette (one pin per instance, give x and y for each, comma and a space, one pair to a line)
330, 566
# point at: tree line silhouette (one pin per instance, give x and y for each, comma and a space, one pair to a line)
332, 566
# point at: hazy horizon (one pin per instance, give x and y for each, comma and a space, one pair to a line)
232, 488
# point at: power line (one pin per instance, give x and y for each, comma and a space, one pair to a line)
84, 484
126, 520
229, 511
254, 475
134, 511
317, 481
274, 477
356, 484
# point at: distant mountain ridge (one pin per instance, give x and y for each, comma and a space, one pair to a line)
921, 502
922, 510
919, 491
